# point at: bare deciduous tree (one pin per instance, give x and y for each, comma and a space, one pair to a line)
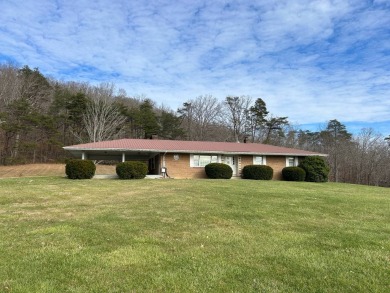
200, 116
10, 84
102, 119
371, 158
237, 109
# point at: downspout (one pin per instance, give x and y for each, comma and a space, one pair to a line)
163, 167
163, 163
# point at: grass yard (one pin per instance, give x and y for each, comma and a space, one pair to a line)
59, 235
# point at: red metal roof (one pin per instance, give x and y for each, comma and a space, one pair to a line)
180, 146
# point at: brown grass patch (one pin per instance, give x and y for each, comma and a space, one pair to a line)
31, 170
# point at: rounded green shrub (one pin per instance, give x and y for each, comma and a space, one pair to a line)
218, 171
131, 170
257, 172
293, 174
80, 169
316, 168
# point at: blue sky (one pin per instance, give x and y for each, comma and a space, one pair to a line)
312, 61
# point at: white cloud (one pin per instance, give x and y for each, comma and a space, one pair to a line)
309, 60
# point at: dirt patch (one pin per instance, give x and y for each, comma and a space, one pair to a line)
31, 170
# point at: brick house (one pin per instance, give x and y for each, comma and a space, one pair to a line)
186, 159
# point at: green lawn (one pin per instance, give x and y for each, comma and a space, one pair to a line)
59, 235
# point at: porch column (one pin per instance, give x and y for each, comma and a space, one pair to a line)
123, 157
83, 156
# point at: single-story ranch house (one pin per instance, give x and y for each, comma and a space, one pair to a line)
186, 159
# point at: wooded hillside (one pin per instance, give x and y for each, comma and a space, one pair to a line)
40, 115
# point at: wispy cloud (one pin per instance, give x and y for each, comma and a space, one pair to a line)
309, 60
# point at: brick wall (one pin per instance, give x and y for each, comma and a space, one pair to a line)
245, 160
180, 168
277, 163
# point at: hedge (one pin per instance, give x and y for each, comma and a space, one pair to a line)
218, 171
316, 168
293, 174
257, 172
131, 170
80, 169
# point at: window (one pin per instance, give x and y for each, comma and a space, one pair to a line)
291, 161
203, 160
259, 160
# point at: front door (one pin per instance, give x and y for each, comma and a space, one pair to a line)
231, 161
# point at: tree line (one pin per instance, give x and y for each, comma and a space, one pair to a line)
39, 115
